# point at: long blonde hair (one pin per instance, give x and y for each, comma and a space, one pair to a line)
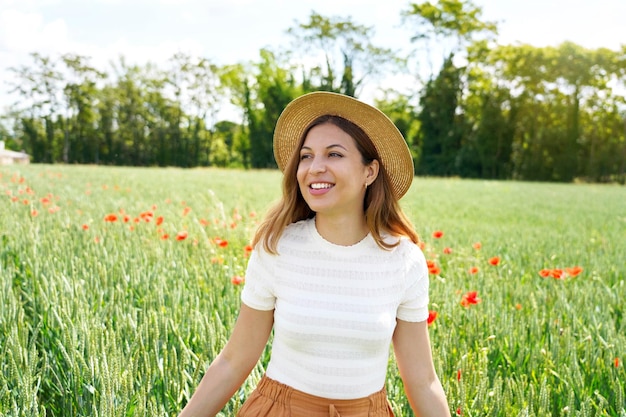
382, 209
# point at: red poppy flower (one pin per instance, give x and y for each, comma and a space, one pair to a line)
85, 227
110, 218
165, 236
616, 362
34, 213
556, 273
432, 267
159, 220
447, 250
473, 270
477, 245
220, 242
458, 375
186, 210
544, 273
437, 234
495, 261
470, 298
237, 280
432, 316
182, 235
518, 306
434, 270
574, 271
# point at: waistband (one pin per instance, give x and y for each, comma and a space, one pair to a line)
289, 396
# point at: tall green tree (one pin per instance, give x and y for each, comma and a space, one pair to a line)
80, 98
487, 144
236, 81
131, 113
444, 28
441, 127
344, 53
275, 88
195, 83
451, 25
39, 88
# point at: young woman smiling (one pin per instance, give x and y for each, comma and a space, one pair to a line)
335, 273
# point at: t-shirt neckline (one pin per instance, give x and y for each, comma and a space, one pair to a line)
333, 246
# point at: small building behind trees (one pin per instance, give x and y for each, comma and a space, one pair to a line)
8, 157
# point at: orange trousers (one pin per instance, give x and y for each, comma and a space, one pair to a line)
271, 398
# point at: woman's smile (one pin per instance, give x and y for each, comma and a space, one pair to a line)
320, 188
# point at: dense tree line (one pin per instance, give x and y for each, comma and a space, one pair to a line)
489, 111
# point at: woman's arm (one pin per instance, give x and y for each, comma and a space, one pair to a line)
415, 363
234, 363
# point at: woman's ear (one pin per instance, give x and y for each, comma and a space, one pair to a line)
372, 171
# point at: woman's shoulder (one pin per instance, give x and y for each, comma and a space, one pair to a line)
404, 246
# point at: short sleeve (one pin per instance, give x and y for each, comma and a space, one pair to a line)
258, 291
414, 304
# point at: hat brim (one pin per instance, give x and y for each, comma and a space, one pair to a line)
389, 142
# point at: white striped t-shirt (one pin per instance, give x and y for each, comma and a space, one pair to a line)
335, 308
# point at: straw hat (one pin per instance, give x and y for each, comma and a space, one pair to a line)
390, 144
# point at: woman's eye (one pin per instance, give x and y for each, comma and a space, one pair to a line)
335, 155
304, 156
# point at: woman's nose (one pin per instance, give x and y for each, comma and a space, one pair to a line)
317, 165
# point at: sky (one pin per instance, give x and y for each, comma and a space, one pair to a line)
230, 31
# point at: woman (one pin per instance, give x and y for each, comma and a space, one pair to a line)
335, 272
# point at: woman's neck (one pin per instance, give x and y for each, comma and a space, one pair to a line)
343, 231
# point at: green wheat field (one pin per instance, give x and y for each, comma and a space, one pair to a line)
119, 286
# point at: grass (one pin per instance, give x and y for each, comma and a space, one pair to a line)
105, 318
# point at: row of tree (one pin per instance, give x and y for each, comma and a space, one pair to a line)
489, 111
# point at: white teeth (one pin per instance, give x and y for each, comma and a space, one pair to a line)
320, 185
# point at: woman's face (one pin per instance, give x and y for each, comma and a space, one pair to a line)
331, 174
